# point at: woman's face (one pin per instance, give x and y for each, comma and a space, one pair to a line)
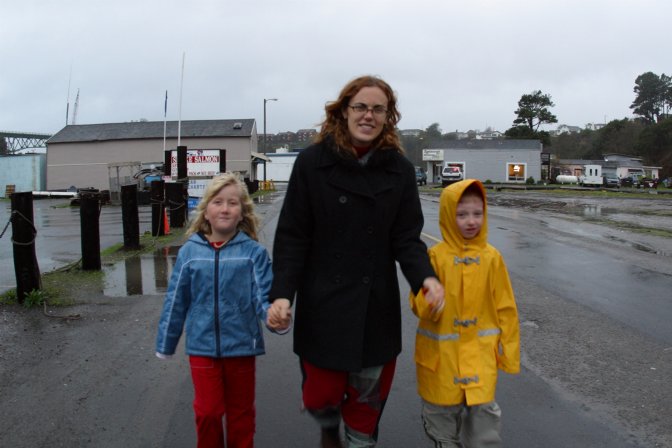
366, 124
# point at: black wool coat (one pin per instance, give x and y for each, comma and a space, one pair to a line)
341, 229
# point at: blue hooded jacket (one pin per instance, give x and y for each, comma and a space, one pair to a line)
220, 298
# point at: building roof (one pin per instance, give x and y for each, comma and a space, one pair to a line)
152, 130
507, 144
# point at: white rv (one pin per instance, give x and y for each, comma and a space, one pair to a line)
592, 176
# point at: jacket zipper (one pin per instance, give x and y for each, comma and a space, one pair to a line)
217, 347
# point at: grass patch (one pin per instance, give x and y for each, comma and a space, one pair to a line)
51, 294
148, 243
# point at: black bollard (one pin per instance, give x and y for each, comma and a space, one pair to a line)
222, 160
89, 218
177, 203
129, 216
23, 238
158, 207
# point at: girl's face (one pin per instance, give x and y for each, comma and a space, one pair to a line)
365, 127
469, 216
224, 212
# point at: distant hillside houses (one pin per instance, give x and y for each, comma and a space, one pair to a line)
488, 134
303, 137
293, 140
567, 129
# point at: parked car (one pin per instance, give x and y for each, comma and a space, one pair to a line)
420, 176
647, 182
629, 181
611, 182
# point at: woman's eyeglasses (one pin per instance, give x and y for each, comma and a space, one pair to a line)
360, 108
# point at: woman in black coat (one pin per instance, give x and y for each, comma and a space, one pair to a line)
350, 213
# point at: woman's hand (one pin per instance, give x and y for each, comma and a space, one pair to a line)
434, 294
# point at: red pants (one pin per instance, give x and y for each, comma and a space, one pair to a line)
356, 397
224, 386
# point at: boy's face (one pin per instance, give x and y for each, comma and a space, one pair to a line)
469, 216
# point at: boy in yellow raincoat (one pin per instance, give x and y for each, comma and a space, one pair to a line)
459, 348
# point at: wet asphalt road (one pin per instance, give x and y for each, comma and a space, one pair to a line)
579, 352
571, 261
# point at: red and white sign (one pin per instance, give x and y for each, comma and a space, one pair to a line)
200, 162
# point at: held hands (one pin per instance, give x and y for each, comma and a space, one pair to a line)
434, 294
279, 315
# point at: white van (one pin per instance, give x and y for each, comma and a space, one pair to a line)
452, 172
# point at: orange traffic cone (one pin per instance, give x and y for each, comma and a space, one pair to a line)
166, 226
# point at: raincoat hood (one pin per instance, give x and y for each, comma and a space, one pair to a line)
450, 197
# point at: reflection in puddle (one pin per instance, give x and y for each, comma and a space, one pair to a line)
143, 274
592, 211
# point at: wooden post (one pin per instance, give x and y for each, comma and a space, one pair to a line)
89, 216
129, 216
177, 203
158, 203
26, 268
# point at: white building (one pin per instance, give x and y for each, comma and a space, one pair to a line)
494, 160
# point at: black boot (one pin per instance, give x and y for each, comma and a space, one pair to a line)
330, 438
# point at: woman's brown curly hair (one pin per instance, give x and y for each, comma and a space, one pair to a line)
336, 126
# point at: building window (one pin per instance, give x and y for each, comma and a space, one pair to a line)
515, 172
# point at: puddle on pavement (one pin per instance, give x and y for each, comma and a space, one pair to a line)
149, 273
142, 274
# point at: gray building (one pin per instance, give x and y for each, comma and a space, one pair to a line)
83, 155
494, 160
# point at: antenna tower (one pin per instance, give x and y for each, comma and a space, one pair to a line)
74, 112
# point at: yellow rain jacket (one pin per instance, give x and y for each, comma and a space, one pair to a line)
458, 352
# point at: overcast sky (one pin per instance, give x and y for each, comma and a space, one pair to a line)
461, 63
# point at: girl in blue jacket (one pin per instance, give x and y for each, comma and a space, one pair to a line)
218, 294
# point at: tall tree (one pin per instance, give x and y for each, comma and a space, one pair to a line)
433, 132
655, 145
654, 97
533, 111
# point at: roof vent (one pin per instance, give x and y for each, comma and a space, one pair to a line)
238, 125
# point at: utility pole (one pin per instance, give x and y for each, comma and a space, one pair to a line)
264, 147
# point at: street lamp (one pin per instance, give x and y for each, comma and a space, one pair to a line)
264, 148
265, 101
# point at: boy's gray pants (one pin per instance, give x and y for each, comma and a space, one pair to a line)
463, 426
